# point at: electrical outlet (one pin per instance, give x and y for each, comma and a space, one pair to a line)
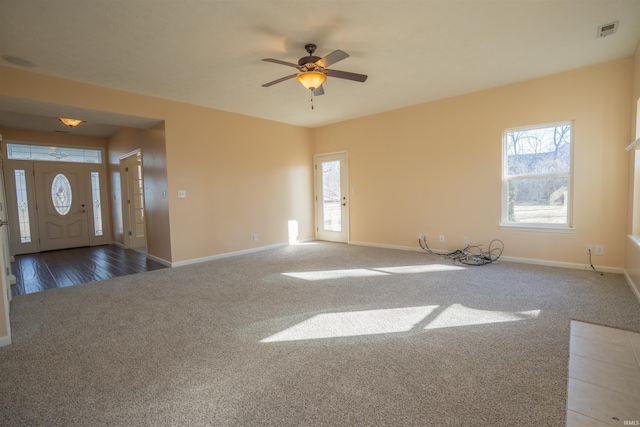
442, 238
465, 240
588, 249
255, 237
424, 236
599, 250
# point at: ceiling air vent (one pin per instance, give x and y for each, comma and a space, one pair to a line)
607, 29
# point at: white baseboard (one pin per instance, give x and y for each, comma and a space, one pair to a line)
159, 260
118, 244
5, 341
543, 262
633, 286
227, 255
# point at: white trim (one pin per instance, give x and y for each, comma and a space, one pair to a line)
118, 244
634, 145
227, 255
539, 228
634, 239
131, 153
5, 341
634, 288
531, 261
158, 259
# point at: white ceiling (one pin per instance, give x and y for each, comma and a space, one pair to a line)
208, 52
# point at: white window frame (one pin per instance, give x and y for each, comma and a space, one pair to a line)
540, 227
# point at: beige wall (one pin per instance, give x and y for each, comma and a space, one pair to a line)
242, 175
435, 168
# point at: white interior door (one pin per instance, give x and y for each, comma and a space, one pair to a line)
63, 218
134, 208
332, 202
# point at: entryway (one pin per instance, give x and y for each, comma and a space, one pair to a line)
56, 198
57, 269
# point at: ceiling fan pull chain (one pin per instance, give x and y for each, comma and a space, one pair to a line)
312, 99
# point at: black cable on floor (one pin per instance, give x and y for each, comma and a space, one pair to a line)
471, 255
591, 264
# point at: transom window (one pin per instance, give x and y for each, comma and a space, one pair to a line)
53, 154
537, 175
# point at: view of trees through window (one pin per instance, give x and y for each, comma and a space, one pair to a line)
537, 174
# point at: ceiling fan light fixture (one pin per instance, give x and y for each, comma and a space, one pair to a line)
70, 122
311, 79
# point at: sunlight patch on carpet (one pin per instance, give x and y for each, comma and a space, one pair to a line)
393, 320
369, 272
355, 323
335, 274
415, 269
459, 315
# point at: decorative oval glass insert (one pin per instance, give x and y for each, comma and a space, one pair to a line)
61, 194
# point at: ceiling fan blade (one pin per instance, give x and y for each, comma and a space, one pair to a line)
347, 75
318, 91
279, 80
332, 58
277, 61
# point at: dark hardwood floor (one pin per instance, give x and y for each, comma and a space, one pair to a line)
68, 267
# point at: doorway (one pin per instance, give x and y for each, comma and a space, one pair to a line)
56, 197
332, 204
133, 208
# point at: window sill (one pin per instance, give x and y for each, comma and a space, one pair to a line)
538, 228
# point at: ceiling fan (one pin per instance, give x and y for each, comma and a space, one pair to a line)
313, 71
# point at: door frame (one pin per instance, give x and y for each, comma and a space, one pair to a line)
317, 205
125, 189
9, 165
5, 262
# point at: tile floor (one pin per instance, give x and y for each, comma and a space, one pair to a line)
604, 376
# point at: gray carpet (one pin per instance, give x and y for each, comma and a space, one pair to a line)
236, 342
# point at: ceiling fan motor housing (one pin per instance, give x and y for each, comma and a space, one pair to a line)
308, 59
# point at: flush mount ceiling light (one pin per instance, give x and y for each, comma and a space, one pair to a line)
70, 122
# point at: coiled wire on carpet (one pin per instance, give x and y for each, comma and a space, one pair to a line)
471, 255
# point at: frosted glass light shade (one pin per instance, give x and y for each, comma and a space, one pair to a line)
311, 79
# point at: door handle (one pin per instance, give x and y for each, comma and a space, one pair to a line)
344, 204
4, 223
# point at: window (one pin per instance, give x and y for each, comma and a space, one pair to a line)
61, 194
23, 206
54, 154
537, 171
97, 205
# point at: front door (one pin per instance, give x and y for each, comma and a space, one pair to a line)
332, 204
63, 219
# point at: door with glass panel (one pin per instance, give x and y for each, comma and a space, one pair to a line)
134, 209
332, 202
48, 188
63, 219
